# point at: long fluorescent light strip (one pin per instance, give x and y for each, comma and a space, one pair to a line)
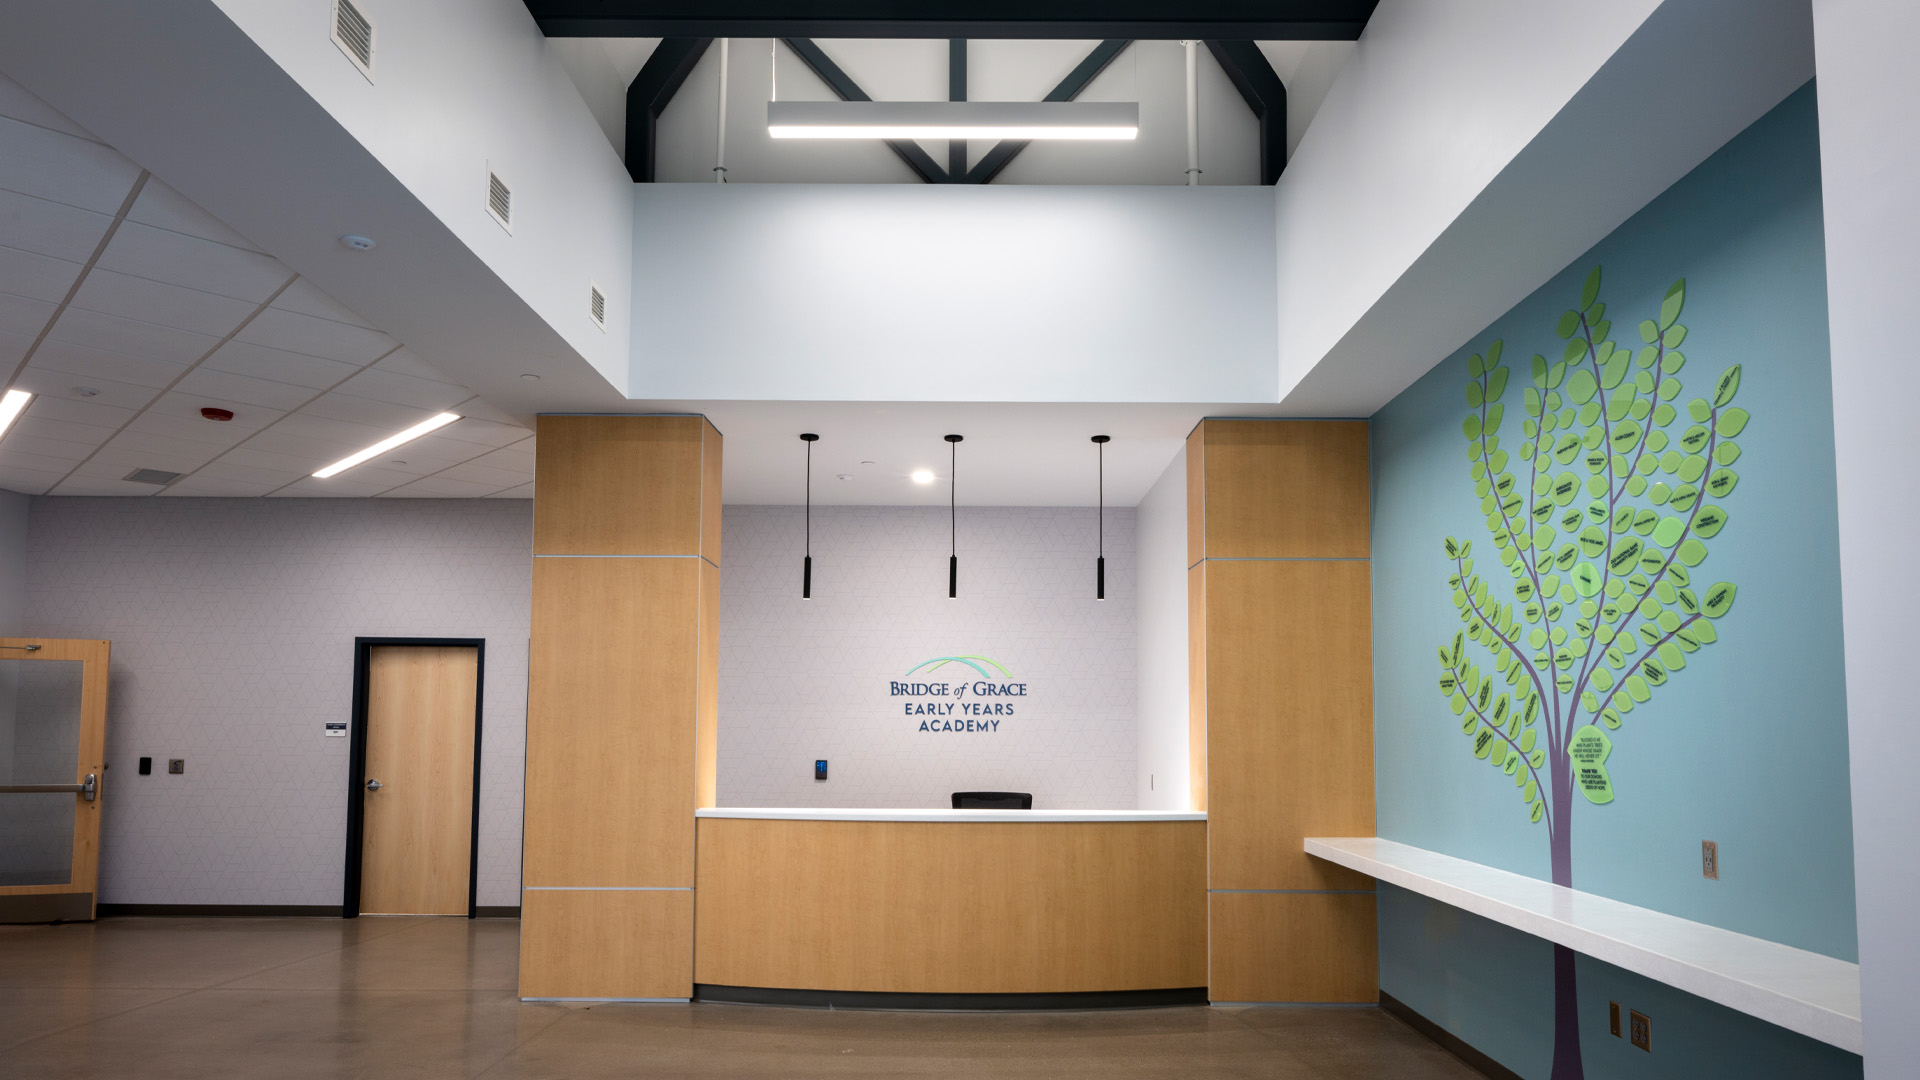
950, 131
424, 427
12, 405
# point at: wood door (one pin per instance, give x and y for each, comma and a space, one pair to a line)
53, 720
416, 849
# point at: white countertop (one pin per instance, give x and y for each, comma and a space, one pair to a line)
807, 813
1815, 995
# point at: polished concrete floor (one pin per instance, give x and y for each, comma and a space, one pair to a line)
286, 999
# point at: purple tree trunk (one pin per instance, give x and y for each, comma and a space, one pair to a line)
1566, 991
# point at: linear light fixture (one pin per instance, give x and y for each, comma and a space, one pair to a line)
422, 428
1109, 120
12, 404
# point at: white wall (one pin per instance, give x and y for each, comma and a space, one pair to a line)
1471, 149
232, 623
953, 292
807, 679
1164, 781
1869, 92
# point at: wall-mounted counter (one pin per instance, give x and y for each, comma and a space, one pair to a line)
950, 902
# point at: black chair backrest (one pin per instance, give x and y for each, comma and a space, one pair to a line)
993, 800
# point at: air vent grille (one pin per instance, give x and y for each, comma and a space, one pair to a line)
499, 200
353, 32
597, 306
158, 477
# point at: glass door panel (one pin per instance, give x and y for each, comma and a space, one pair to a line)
39, 746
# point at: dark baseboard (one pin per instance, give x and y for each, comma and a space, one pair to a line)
867, 999
503, 911
202, 911
1452, 1043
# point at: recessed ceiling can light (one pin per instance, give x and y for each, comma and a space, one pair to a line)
12, 403
923, 476
358, 243
529, 377
1099, 120
85, 391
845, 475
422, 428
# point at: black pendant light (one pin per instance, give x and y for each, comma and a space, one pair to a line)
806, 567
1100, 564
953, 527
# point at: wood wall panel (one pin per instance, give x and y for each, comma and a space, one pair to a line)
710, 475
606, 944
1289, 719
706, 739
1285, 489
611, 718
1197, 684
937, 907
621, 485
1197, 493
1317, 947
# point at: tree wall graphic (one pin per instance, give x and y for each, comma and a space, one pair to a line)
1600, 517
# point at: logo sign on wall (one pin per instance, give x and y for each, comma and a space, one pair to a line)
970, 705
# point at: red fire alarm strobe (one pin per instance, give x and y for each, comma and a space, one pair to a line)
217, 414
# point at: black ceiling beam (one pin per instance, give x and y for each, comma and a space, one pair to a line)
1253, 20
1006, 150
1250, 72
649, 93
842, 84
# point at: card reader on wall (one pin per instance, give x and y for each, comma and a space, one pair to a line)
820, 769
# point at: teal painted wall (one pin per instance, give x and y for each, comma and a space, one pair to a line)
1747, 746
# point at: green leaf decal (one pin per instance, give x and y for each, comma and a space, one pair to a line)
1474, 367
1691, 552
1731, 423
1496, 384
1590, 289
1568, 323
1649, 330
1471, 425
1709, 522
1699, 409
1589, 749
1667, 533
1675, 299
1718, 601
1483, 743
1728, 385
1581, 387
1721, 483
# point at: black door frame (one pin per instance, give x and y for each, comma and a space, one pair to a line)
357, 764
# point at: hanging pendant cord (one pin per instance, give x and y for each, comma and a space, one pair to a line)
1103, 501
809, 498
953, 482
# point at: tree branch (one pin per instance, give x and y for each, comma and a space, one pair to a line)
1547, 811
1459, 566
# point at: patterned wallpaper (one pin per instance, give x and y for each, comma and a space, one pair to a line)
232, 622
805, 679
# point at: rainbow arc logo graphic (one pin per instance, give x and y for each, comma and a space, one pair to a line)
973, 662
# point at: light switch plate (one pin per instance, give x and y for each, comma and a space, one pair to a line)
1613, 1018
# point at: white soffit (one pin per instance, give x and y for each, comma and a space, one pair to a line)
1431, 194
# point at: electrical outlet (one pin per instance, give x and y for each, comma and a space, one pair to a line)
1640, 1030
1613, 1018
176, 765
1710, 860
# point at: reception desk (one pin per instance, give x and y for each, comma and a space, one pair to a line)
1003, 903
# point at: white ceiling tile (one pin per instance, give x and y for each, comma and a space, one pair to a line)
498, 476
20, 315
306, 298
225, 386
36, 426
354, 483
164, 208
428, 455
64, 168
39, 277
145, 251
27, 481
13, 348
383, 415
177, 416
160, 303
403, 361
96, 367
295, 332
131, 337
202, 486
483, 432
223, 468
50, 382
278, 365
380, 385
77, 486
481, 410
48, 449
524, 491
18, 102
50, 228
58, 402
27, 459
252, 456
155, 450
316, 439
440, 487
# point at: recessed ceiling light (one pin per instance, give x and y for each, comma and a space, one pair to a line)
11, 405
358, 243
530, 377
845, 476
85, 391
398, 461
384, 445
922, 476
866, 463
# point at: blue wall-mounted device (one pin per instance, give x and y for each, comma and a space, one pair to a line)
820, 769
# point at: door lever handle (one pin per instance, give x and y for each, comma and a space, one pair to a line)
374, 785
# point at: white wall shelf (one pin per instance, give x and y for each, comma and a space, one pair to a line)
1815, 995
808, 813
